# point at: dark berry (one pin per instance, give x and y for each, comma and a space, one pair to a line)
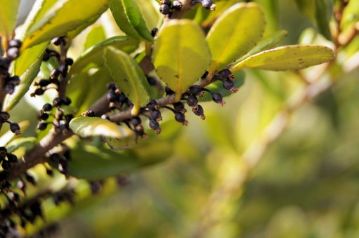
192, 100
11, 158
111, 86
154, 32
111, 96
155, 115
39, 91
169, 91
14, 43
63, 69
14, 80
151, 80
3, 151
42, 126
135, 121
6, 165
57, 102
195, 89
217, 97
10, 88
47, 107
66, 101
198, 110
49, 172
224, 74
204, 76
90, 113
58, 41
44, 116
228, 84
15, 128
4, 116
180, 117
165, 9
69, 61
179, 107
208, 4
44, 82
154, 125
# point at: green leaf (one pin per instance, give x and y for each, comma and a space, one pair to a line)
351, 14
129, 18
291, 57
217, 87
87, 96
8, 16
63, 17
26, 142
322, 16
94, 55
27, 67
181, 55
94, 126
129, 76
95, 163
266, 43
96, 35
235, 32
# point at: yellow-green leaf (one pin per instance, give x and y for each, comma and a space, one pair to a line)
129, 18
129, 77
181, 55
235, 32
63, 17
95, 126
291, 57
8, 16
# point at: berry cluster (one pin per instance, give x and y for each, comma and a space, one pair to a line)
14, 127
57, 75
167, 7
61, 160
7, 160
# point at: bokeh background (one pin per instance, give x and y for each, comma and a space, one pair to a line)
306, 181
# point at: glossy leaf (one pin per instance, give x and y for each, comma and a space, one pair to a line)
63, 17
292, 57
94, 126
8, 16
181, 55
130, 19
266, 43
129, 76
94, 55
235, 32
27, 67
94, 163
217, 87
96, 35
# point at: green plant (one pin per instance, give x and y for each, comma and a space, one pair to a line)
112, 109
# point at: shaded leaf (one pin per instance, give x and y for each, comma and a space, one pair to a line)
129, 76
234, 33
291, 57
94, 126
322, 17
94, 163
181, 55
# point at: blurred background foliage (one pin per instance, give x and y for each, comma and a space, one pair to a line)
305, 185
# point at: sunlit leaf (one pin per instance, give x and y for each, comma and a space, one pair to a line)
96, 35
26, 142
129, 18
181, 55
63, 17
129, 76
8, 16
94, 126
234, 33
94, 55
292, 57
